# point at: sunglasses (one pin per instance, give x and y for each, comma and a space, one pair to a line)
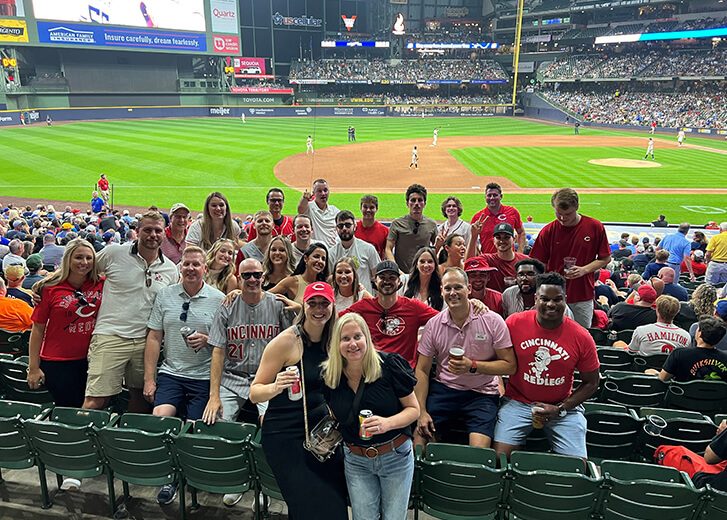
323, 304
256, 274
185, 311
344, 225
416, 227
80, 298
147, 273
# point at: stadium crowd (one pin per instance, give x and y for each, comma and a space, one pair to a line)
405, 70
353, 314
457, 99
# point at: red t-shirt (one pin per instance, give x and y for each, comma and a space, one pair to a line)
698, 268
396, 329
546, 359
585, 241
507, 214
493, 300
285, 228
69, 324
374, 235
505, 268
103, 184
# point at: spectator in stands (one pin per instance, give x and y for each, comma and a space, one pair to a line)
312, 267
622, 250
220, 272
660, 222
349, 246
14, 314
135, 273
103, 188
715, 453
628, 316
679, 250
63, 322
303, 232
14, 276
424, 283
580, 238
452, 253
15, 256
216, 223
454, 225
35, 271
653, 268
549, 348
661, 337
700, 304
720, 311
370, 229
282, 225
478, 274
411, 232
703, 362
621, 272
699, 241
175, 234
345, 284
699, 268
51, 253
484, 221
521, 297
19, 231
671, 286
322, 215
255, 248
278, 262
97, 203
464, 387
716, 257
504, 259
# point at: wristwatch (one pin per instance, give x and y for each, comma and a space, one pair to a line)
473, 367
562, 412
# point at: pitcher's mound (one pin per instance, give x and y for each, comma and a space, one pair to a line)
625, 163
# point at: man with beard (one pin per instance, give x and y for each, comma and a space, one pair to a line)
263, 226
465, 384
363, 253
493, 214
303, 231
135, 273
549, 348
478, 271
282, 225
321, 214
370, 229
521, 297
504, 259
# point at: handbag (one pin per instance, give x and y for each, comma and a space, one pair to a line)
686, 460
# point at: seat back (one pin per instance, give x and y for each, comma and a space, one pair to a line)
625, 335
15, 449
715, 504
66, 449
600, 337
694, 434
264, 473
232, 431
614, 358
611, 433
214, 464
15, 343
459, 481
632, 390
13, 383
708, 397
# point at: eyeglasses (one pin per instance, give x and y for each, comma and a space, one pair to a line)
275, 201
255, 274
185, 311
80, 298
416, 227
344, 225
147, 273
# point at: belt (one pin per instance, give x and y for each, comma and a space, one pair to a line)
372, 452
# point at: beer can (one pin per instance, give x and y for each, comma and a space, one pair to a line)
362, 416
186, 332
294, 392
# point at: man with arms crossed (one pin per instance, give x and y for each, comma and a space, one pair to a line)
465, 386
549, 348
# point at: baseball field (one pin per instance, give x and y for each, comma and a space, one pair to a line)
164, 161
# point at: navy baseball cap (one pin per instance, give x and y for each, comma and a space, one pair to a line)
503, 228
387, 266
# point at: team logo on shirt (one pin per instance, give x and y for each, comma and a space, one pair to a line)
586, 238
390, 325
502, 216
546, 352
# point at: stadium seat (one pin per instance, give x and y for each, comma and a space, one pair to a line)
632, 390
656, 361
683, 428
15, 449
601, 337
625, 335
714, 504
14, 385
138, 450
266, 482
459, 482
647, 492
614, 358
708, 397
215, 459
551, 486
612, 431
6, 356
66, 444
15, 343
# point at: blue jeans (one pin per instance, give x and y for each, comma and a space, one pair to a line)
380, 487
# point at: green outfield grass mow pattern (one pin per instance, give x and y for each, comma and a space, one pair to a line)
169, 160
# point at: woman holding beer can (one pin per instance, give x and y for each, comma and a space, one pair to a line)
372, 396
311, 489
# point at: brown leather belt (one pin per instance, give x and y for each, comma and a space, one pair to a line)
372, 452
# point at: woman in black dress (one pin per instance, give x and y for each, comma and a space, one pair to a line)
311, 489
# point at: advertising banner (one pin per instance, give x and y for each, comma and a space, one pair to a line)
224, 44
105, 36
249, 66
13, 31
261, 90
12, 8
224, 16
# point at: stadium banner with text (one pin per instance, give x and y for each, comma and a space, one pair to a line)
260, 90
109, 36
249, 67
670, 35
224, 16
226, 44
13, 31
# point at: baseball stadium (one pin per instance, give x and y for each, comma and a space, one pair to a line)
114, 113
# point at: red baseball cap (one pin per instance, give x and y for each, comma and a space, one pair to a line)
319, 289
477, 263
647, 293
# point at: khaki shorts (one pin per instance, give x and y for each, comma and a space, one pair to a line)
112, 361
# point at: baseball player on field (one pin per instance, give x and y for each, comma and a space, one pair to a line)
309, 145
414, 158
435, 135
650, 149
680, 137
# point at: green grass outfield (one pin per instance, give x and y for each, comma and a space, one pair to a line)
168, 160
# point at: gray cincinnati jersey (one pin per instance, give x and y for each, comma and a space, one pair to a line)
244, 331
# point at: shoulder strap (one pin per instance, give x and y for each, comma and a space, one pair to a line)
356, 401
299, 341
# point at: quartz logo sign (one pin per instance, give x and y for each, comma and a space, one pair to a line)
224, 16
297, 21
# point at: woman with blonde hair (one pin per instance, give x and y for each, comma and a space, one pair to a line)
346, 285
278, 263
216, 223
700, 305
220, 266
379, 462
63, 322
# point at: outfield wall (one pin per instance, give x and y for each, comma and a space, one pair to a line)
13, 117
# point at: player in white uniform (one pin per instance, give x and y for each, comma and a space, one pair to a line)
435, 135
650, 149
309, 145
242, 117
414, 158
680, 137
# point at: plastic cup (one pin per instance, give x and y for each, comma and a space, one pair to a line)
456, 353
569, 262
537, 423
654, 425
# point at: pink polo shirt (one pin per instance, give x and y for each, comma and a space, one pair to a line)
480, 336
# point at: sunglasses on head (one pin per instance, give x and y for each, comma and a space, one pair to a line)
255, 274
185, 311
80, 298
147, 273
416, 227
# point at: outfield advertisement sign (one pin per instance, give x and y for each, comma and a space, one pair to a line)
102, 36
261, 90
224, 16
13, 31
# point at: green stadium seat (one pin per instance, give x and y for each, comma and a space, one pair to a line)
67, 445
714, 504
632, 390
683, 428
6, 356
625, 335
551, 486
708, 397
459, 482
15, 449
614, 358
612, 431
601, 337
647, 492
15, 343
14, 386
656, 361
266, 482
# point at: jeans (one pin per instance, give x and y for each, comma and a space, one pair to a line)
380, 487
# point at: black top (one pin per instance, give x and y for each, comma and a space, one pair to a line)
626, 316
381, 397
718, 481
690, 363
686, 317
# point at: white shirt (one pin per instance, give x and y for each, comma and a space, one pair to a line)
323, 222
658, 338
364, 253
